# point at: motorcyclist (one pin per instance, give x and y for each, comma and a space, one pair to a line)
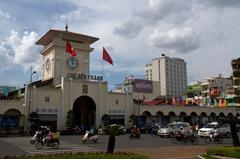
48, 137
135, 130
91, 132
184, 133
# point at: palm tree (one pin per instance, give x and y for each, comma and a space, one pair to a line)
112, 131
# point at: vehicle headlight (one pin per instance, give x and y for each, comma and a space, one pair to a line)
164, 131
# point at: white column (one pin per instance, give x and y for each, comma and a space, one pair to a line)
60, 114
98, 106
25, 105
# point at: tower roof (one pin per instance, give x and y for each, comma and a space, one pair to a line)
49, 36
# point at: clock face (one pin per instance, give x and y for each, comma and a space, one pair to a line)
72, 62
48, 64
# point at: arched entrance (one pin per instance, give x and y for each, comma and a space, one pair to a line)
159, 115
145, 118
172, 117
84, 112
183, 116
11, 119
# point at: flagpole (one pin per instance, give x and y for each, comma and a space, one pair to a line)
102, 68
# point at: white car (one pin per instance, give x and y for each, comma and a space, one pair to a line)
171, 129
224, 130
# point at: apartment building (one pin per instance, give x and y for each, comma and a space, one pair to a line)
215, 87
236, 80
171, 73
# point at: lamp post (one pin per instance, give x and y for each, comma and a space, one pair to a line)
30, 92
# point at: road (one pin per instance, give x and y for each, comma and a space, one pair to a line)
16, 146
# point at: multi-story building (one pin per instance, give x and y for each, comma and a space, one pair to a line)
236, 80
171, 73
214, 88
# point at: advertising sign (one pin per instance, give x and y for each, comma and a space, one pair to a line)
9, 121
214, 92
144, 86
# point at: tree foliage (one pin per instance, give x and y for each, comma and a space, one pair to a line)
34, 121
112, 131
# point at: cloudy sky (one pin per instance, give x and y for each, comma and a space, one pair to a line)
205, 33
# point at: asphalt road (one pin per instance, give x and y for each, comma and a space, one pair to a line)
16, 146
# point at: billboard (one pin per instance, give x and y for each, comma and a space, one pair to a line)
214, 92
144, 86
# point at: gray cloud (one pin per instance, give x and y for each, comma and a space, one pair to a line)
177, 40
221, 3
128, 29
172, 11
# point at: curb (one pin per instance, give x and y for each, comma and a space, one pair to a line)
199, 156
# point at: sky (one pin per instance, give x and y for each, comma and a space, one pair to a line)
205, 33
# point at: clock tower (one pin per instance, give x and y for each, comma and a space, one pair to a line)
57, 62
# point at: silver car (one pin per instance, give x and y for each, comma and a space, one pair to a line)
171, 129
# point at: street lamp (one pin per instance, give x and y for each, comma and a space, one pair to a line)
30, 92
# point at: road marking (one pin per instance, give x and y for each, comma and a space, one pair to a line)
68, 148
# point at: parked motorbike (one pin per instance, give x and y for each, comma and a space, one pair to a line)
88, 137
184, 138
134, 134
38, 140
214, 137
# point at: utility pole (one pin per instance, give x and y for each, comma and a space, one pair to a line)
30, 92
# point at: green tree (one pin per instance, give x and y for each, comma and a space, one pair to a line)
34, 121
105, 119
112, 131
69, 121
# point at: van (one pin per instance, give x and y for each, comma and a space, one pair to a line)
171, 129
223, 130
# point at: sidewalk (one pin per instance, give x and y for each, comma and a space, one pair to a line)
176, 152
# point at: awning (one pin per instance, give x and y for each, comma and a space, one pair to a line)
48, 117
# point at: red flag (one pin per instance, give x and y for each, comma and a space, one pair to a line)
70, 49
107, 57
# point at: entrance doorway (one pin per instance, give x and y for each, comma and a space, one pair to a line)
84, 112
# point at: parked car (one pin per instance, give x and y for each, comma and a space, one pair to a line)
224, 130
171, 129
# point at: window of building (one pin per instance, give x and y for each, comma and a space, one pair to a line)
50, 110
43, 110
116, 102
47, 99
85, 89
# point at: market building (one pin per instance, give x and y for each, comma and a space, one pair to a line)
67, 85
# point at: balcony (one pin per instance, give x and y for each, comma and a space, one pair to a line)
236, 73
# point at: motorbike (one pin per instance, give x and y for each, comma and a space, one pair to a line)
213, 137
134, 134
38, 140
88, 137
183, 138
